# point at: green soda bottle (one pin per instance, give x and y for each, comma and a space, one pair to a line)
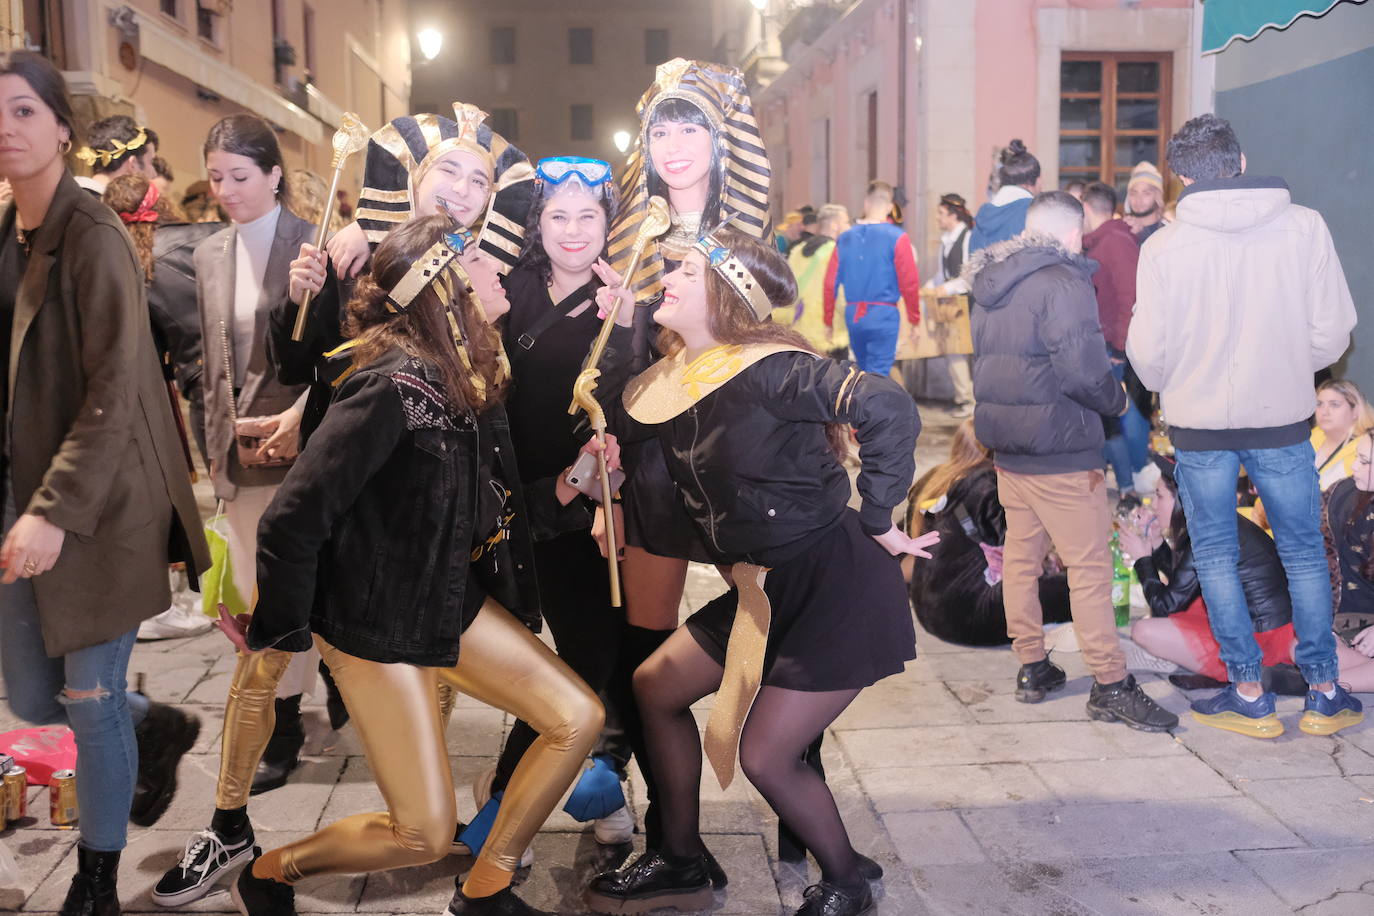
1121, 584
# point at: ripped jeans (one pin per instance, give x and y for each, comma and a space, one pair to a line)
40, 691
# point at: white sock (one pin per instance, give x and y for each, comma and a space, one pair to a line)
1329, 694
1249, 699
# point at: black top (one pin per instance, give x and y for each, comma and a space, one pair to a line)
13, 260
546, 436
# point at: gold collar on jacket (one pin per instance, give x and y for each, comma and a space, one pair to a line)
672, 385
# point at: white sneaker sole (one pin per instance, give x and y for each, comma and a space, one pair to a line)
206, 886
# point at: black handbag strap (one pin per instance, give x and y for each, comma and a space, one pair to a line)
559, 311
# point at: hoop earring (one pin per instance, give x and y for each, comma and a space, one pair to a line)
64, 146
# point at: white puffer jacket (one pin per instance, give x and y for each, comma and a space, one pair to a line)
1238, 302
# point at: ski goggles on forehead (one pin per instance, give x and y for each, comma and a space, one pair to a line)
558, 169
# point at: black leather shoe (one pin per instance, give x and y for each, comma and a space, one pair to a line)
504, 903
718, 876
1035, 680
283, 752
870, 870
256, 896
93, 886
1125, 702
164, 736
651, 882
827, 899
333, 703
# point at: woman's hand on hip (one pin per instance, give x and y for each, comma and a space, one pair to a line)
897, 542
31, 548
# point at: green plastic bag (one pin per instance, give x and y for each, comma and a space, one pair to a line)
217, 585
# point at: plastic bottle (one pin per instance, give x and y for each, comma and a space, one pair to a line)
1121, 584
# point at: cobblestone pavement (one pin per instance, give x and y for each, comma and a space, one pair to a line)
974, 804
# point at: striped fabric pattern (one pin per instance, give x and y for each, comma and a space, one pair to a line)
401, 152
721, 94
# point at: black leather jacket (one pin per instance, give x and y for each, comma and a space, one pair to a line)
303, 362
368, 541
172, 301
755, 471
1261, 577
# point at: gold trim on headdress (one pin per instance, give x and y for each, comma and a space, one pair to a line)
106, 156
732, 270
722, 96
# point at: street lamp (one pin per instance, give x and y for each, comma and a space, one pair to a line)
622, 140
431, 43
760, 5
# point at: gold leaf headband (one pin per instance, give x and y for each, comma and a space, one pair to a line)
731, 269
105, 156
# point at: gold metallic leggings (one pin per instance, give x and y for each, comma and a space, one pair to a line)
398, 718
250, 714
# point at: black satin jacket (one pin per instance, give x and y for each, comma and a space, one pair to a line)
755, 471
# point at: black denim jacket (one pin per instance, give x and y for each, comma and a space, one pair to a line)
368, 542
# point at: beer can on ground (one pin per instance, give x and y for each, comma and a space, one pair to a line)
16, 795
62, 808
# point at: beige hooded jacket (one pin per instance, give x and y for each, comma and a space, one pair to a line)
1238, 302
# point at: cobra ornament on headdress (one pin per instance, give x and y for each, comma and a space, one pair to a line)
733, 271
402, 151
722, 96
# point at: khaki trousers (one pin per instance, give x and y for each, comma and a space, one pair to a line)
1069, 510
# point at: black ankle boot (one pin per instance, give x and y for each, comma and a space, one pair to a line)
333, 702
502, 903
164, 736
93, 886
650, 882
283, 753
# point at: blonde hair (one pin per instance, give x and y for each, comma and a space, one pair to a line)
965, 454
1364, 414
308, 195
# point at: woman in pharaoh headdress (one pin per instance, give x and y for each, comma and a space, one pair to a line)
700, 149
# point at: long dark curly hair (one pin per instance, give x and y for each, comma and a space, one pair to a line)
423, 329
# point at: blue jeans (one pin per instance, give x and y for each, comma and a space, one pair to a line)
1287, 483
1129, 451
107, 759
873, 338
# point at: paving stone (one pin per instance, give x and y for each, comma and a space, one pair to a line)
940, 788
295, 806
1211, 883
990, 889
37, 853
1053, 832
933, 838
994, 702
1007, 743
1330, 882
1238, 758
1133, 780
1324, 811
897, 701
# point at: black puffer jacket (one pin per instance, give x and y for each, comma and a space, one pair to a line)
1261, 578
1040, 370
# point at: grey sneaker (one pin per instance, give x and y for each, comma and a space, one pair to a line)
1125, 702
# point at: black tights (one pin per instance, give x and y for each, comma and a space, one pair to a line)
780, 728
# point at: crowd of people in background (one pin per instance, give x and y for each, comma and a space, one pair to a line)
401, 479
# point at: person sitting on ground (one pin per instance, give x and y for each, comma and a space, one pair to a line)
1348, 526
1177, 629
958, 597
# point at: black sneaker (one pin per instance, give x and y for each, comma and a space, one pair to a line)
208, 858
1035, 680
262, 896
459, 847
164, 736
1125, 702
717, 874
651, 882
504, 903
827, 899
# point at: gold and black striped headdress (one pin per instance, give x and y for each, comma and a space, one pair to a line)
401, 152
721, 94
